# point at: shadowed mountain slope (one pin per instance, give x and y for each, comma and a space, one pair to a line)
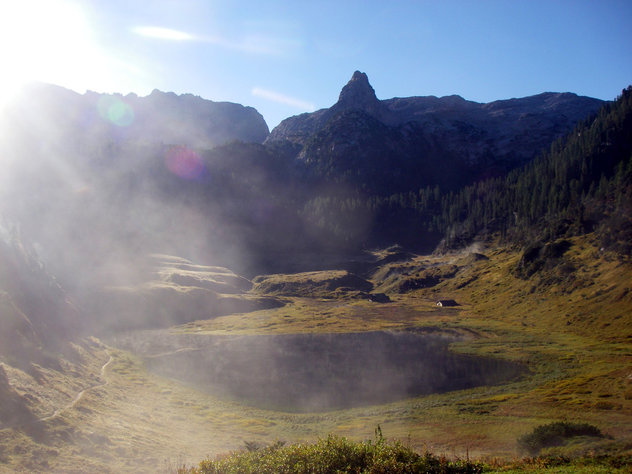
401, 144
36, 317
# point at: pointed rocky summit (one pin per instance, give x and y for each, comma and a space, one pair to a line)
358, 93
419, 128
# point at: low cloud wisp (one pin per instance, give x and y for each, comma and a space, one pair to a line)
283, 99
162, 33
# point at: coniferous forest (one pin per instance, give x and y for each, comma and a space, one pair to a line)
583, 183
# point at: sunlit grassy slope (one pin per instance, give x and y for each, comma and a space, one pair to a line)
571, 324
571, 328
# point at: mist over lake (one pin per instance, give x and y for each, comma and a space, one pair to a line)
318, 372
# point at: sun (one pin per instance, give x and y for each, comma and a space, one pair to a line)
38, 41
51, 41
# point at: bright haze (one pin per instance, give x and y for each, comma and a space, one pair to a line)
287, 57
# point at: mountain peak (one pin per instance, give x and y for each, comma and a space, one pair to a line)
358, 93
360, 76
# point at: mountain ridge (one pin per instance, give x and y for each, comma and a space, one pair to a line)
502, 134
165, 117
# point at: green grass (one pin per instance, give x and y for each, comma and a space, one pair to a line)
333, 454
556, 434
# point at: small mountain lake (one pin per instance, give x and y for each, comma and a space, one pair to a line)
318, 372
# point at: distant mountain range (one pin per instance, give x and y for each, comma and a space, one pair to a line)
379, 145
94, 179
160, 117
401, 144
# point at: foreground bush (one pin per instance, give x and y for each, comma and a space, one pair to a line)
334, 454
555, 434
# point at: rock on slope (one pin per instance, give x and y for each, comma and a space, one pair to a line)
175, 291
318, 284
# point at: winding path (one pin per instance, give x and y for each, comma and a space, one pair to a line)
168, 353
70, 405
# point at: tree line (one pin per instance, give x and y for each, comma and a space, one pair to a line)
581, 184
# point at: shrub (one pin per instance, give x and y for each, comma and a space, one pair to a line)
555, 434
334, 454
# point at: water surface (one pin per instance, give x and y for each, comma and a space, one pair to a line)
319, 372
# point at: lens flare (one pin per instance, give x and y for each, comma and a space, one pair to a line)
185, 163
114, 110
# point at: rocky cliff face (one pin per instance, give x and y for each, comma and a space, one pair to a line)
358, 94
428, 140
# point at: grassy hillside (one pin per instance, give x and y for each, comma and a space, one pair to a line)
571, 329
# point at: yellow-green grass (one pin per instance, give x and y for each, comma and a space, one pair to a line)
574, 336
311, 315
139, 422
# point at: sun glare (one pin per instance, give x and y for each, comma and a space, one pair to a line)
51, 41
162, 33
37, 39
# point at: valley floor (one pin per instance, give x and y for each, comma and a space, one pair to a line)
572, 329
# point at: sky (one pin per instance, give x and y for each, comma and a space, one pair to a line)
289, 57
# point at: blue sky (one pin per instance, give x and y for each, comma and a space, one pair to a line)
289, 57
